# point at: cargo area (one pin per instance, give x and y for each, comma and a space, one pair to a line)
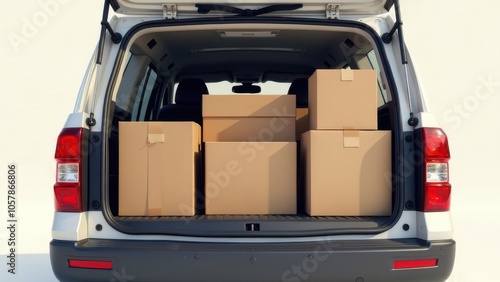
237, 129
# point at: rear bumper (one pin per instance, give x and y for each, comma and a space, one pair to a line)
368, 260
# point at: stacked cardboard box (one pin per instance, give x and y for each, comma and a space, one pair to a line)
247, 117
157, 168
347, 161
250, 154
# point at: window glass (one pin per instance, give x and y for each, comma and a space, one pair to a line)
143, 96
270, 87
382, 93
225, 88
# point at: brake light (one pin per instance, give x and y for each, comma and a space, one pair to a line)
90, 264
67, 190
437, 189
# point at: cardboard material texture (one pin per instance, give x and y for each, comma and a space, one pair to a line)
347, 173
250, 177
343, 99
248, 117
301, 122
157, 168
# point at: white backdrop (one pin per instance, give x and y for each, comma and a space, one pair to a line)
46, 45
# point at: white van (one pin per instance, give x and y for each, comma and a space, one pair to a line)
159, 62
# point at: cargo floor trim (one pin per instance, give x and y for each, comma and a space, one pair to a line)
261, 225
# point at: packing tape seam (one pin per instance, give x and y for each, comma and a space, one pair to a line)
155, 134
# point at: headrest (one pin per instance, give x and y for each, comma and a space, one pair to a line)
299, 88
190, 91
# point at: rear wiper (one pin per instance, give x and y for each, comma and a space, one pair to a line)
206, 8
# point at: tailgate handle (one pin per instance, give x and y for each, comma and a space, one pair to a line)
252, 227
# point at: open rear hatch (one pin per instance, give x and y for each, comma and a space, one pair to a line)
179, 50
158, 7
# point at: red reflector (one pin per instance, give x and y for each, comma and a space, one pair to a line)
417, 263
67, 198
94, 264
437, 197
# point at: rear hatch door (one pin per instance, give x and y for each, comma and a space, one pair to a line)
308, 8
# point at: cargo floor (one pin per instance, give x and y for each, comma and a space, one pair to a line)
304, 217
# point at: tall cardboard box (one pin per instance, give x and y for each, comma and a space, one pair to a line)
343, 99
157, 168
247, 117
347, 173
250, 177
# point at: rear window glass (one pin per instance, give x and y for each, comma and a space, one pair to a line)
225, 88
270, 87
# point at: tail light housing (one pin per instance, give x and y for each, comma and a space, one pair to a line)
68, 186
435, 170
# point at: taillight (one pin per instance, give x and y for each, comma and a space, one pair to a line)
437, 189
68, 187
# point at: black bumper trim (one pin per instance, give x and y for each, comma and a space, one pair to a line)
365, 260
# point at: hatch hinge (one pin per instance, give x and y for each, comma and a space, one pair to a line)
332, 11
169, 11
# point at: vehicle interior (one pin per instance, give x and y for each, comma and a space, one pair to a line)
166, 70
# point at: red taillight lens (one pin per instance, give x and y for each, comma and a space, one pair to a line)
437, 189
415, 263
67, 190
69, 144
437, 197
90, 264
67, 198
436, 144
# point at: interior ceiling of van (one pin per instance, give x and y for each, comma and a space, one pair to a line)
248, 55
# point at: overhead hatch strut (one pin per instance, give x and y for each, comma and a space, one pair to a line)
206, 8
387, 38
115, 38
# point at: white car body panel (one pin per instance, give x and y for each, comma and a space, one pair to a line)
155, 7
434, 226
69, 226
79, 226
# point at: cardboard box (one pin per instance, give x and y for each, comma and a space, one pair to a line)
247, 117
301, 122
157, 168
347, 173
250, 177
343, 99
